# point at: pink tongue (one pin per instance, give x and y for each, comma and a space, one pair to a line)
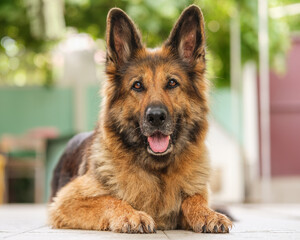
158, 142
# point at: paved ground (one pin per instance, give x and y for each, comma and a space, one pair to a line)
28, 222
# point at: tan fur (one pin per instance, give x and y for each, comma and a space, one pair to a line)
117, 191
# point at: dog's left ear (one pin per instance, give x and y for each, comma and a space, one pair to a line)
122, 37
187, 38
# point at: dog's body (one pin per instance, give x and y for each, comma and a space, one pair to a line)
145, 166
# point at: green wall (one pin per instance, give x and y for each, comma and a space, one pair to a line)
25, 108
93, 106
225, 113
29, 107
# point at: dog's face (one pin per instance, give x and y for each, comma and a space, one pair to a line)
156, 101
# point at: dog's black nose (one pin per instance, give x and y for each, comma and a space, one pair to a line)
156, 115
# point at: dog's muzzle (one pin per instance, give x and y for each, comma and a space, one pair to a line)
156, 128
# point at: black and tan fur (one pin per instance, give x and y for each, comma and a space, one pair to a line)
109, 179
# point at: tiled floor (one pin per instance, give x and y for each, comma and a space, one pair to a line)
28, 222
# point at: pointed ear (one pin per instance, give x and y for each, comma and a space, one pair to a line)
122, 37
187, 37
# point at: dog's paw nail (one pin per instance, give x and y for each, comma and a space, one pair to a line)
141, 229
215, 229
204, 229
223, 228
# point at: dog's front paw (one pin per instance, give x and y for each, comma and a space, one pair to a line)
132, 222
210, 222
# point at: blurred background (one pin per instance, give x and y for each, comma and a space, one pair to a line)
52, 56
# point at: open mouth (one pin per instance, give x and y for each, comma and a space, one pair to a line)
159, 144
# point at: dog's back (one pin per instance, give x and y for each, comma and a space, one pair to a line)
68, 165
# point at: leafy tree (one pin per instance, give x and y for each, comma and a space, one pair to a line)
21, 53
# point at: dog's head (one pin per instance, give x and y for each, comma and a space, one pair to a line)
156, 98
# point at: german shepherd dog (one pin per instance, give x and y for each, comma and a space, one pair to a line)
145, 166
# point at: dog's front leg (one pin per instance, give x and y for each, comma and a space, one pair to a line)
198, 216
77, 207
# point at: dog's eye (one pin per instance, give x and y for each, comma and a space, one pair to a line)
172, 83
137, 86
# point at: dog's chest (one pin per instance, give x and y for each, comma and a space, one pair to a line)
159, 197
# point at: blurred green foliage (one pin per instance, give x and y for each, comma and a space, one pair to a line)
26, 60
21, 55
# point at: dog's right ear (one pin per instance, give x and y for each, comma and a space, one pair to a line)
122, 37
